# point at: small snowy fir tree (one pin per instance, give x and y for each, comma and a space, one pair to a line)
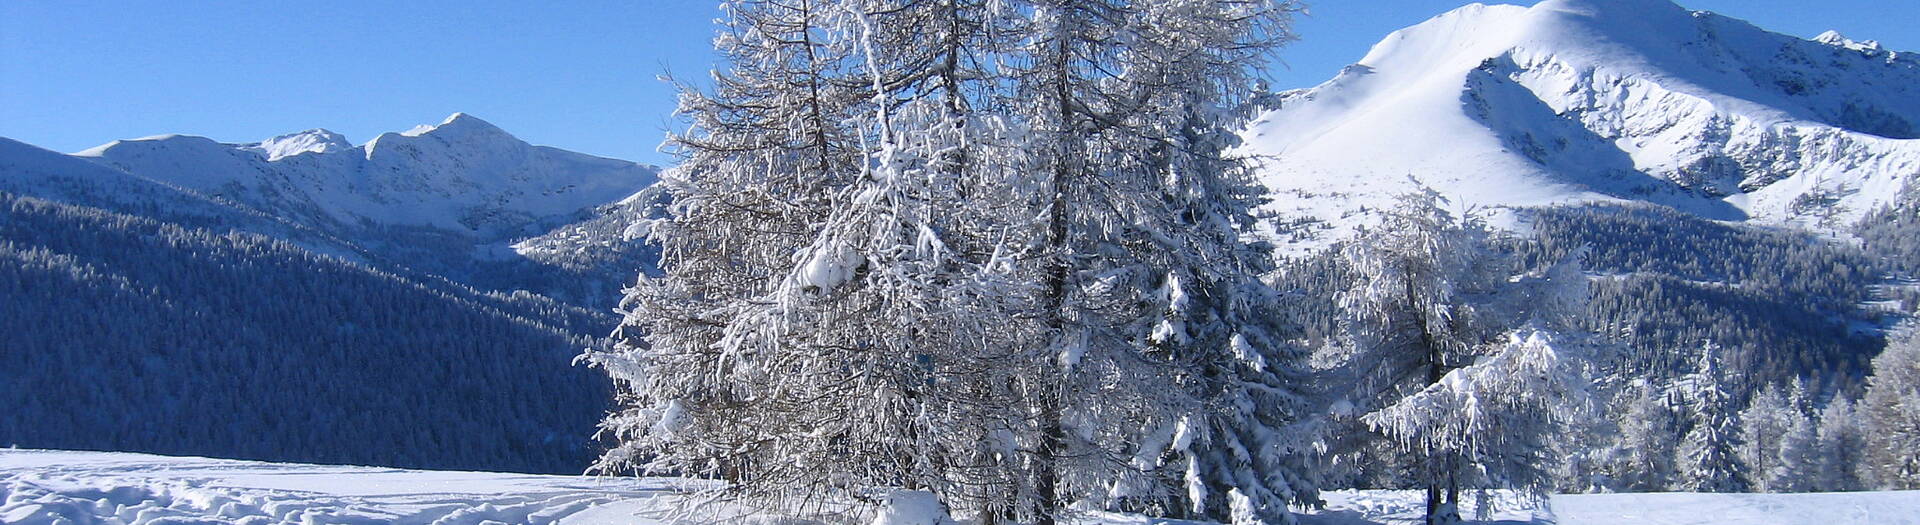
1891, 410
1797, 467
1763, 424
1841, 446
1455, 360
1649, 437
1708, 457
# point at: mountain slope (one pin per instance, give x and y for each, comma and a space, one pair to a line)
1730, 186
1602, 100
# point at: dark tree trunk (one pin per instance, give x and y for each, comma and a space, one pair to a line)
1065, 166
1437, 495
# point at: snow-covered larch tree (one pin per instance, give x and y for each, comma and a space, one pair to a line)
1891, 414
1841, 446
1649, 436
1798, 463
992, 250
1709, 459
1171, 384
1763, 424
712, 384
1454, 358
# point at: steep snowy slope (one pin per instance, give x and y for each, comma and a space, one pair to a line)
1584, 100
463, 175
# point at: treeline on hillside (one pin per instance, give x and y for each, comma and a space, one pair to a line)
1702, 326
1891, 235
128, 333
1689, 434
1781, 303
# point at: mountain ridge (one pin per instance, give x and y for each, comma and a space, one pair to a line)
463, 175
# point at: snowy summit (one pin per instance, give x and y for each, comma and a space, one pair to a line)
1602, 100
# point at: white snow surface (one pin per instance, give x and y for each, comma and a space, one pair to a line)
464, 174
45, 487
1839, 508
1600, 100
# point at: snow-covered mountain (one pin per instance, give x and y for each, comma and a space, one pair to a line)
1602, 100
463, 175
462, 200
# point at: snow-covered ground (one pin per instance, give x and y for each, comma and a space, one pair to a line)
107, 487
60, 487
1838, 508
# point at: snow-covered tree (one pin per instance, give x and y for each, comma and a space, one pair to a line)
1489, 423
1648, 439
1891, 413
987, 249
1798, 460
722, 371
1763, 424
1455, 359
1708, 456
1145, 287
1841, 444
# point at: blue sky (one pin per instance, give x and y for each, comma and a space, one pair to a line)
579, 74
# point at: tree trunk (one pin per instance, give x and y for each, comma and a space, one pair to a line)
1046, 487
1437, 498
1052, 435
1433, 503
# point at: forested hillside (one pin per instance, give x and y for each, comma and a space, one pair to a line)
1784, 303
143, 316
128, 333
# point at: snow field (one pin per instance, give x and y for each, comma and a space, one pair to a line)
50, 487
43, 487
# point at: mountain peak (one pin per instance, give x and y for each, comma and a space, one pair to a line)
309, 141
459, 124
1835, 39
1610, 6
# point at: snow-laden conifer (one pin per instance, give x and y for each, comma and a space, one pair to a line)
1709, 459
1842, 446
1146, 285
988, 249
1648, 440
1763, 424
712, 387
1797, 464
1456, 359
1891, 414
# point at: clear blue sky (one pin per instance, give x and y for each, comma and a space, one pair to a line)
577, 74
